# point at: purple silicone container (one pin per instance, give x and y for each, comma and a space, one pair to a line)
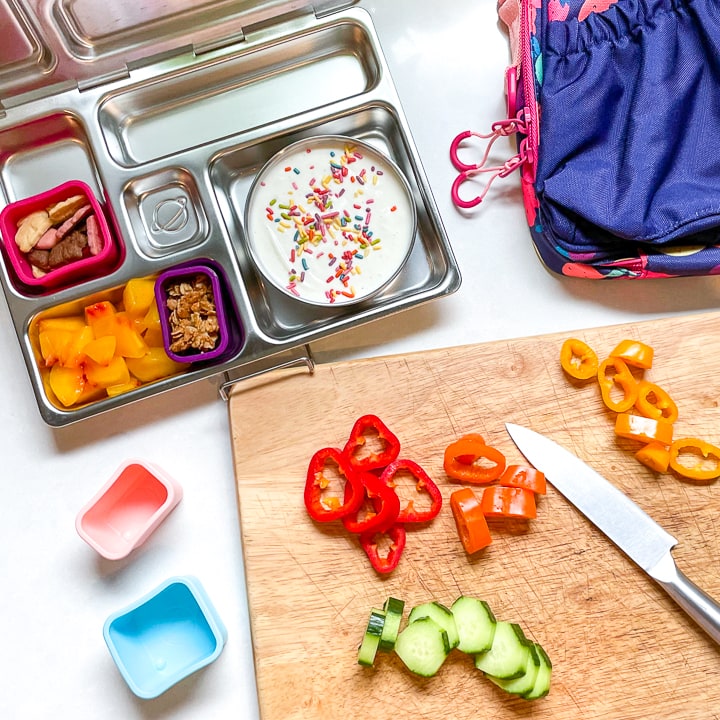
190, 271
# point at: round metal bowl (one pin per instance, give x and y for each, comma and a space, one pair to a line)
330, 220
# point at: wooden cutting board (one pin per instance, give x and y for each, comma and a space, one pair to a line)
620, 647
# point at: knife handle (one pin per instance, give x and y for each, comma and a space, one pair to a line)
698, 605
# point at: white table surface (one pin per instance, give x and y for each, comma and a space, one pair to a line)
447, 60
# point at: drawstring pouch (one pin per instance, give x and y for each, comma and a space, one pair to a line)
616, 107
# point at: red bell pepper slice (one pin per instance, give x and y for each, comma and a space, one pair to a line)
370, 429
324, 506
393, 538
423, 484
384, 510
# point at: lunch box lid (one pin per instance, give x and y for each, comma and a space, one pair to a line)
52, 46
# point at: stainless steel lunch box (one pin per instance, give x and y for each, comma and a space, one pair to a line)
168, 113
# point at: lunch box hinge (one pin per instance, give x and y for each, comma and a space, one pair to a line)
220, 43
328, 7
161, 58
121, 73
300, 357
38, 94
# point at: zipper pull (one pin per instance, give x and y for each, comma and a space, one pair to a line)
501, 128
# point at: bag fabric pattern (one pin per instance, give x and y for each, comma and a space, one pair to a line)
626, 175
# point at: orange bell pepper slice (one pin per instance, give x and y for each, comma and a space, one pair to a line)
470, 520
578, 359
637, 427
470, 460
654, 402
613, 375
695, 459
635, 353
524, 476
509, 502
655, 455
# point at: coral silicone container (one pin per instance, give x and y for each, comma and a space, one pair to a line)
92, 266
127, 509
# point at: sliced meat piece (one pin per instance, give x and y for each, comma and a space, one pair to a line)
49, 240
74, 221
68, 249
39, 259
95, 239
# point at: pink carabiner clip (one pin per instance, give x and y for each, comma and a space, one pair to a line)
454, 145
455, 193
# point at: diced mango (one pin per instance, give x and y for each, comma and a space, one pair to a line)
67, 384
69, 323
100, 317
114, 373
114, 390
53, 344
75, 352
138, 295
130, 343
151, 328
66, 347
155, 364
101, 350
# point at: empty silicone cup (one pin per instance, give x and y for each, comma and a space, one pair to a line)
85, 268
187, 274
127, 509
165, 636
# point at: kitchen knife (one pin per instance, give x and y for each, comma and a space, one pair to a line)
616, 515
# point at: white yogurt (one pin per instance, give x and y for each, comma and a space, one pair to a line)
330, 220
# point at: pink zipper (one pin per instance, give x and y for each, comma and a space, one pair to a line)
527, 76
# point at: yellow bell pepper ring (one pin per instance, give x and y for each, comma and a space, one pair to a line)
695, 459
578, 359
637, 427
635, 353
654, 455
654, 402
618, 386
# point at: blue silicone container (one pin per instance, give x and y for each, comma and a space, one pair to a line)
165, 636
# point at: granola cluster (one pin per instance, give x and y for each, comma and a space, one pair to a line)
193, 316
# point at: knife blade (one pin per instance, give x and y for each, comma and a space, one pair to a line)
628, 526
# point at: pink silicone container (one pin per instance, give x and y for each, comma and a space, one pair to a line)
92, 266
127, 509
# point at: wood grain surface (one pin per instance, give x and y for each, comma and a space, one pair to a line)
621, 649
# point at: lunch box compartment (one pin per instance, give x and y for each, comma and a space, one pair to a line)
167, 214
232, 174
247, 92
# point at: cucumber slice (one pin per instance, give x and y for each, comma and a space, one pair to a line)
393, 617
542, 682
475, 624
507, 657
441, 615
526, 682
371, 640
423, 646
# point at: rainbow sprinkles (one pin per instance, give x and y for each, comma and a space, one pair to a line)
330, 220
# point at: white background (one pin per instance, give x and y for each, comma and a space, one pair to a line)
447, 60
